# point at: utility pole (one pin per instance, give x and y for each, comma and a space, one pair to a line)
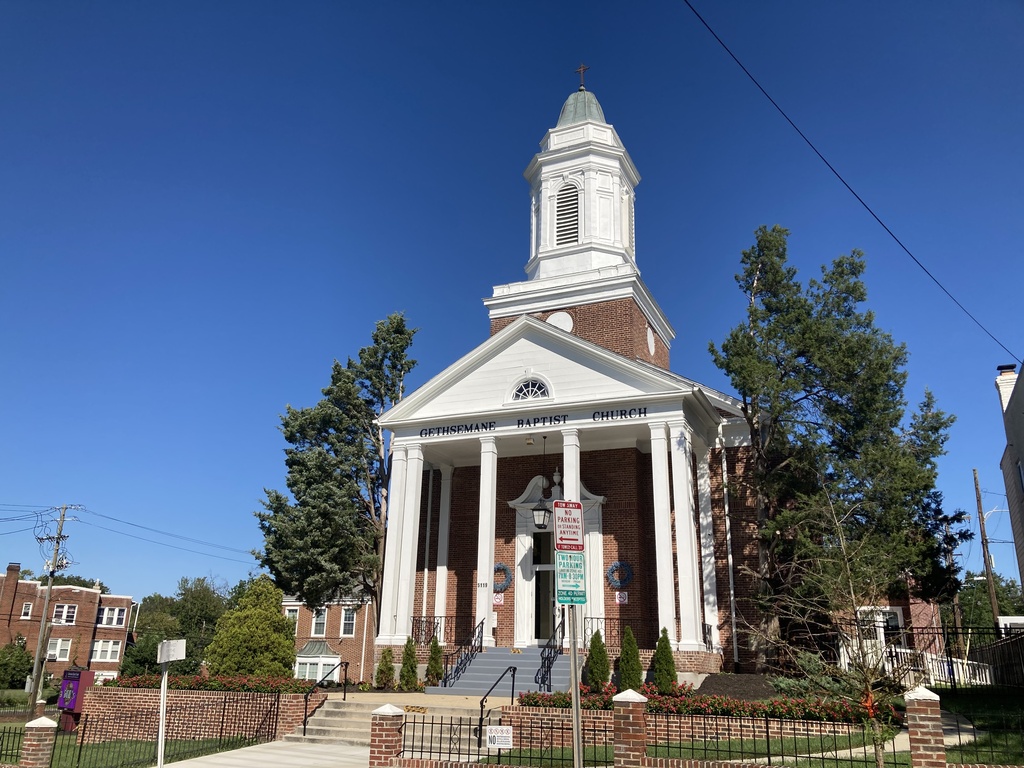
44, 622
988, 561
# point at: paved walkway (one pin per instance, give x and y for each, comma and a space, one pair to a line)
284, 754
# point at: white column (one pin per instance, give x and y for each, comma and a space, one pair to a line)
485, 539
571, 470
691, 623
707, 540
392, 548
663, 532
410, 539
443, 526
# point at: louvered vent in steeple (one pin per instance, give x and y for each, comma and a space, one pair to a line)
567, 216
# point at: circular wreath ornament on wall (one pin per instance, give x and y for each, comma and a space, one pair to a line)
619, 575
506, 577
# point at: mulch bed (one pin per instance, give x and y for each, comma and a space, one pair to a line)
745, 687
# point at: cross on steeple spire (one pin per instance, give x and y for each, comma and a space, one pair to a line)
582, 69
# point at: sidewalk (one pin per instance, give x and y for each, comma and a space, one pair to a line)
284, 754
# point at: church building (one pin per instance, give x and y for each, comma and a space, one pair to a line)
572, 398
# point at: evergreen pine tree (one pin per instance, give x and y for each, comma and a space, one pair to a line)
630, 672
663, 665
596, 671
385, 677
408, 679
435, 664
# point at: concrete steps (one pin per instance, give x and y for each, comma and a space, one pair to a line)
348, 722
487, 667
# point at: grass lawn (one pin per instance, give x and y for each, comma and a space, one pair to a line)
784, 751
999, 714
67, 754
552, 756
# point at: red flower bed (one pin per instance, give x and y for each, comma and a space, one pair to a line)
683, 701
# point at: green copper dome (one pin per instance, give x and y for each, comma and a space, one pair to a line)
579, 107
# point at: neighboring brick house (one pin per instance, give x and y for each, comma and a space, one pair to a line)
90, 629
341, 631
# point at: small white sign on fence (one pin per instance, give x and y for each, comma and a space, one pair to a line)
499, 737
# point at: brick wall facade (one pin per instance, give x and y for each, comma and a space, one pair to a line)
618, 325
21, 612
353, 648
209, 713
625, 477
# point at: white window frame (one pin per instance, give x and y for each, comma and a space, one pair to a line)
348, 621
26, 610
115, 614
59, 647
293, 614
315, 667
65, 613
319, 617
105, 650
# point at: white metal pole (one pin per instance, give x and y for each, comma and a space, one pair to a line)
162, 731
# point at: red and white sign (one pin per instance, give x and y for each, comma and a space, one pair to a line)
568, 526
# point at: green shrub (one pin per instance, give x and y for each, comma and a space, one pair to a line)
663, 665
408, 680
630, 671
15, 664
597, 670
435, 664
385, 677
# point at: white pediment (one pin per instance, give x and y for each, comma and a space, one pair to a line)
575, 372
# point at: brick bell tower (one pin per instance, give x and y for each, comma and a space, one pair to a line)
582, 275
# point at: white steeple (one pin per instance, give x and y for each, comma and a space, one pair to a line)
582, 244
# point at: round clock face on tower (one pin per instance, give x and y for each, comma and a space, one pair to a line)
561, 320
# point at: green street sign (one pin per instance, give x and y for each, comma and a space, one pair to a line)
570, 578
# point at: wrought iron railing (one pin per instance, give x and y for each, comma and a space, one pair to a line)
610, 629
551, 651
458, 661
483, 701
317, 684
444, 628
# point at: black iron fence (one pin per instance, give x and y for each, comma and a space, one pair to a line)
536, 743
992, 735
10, 744
204, 727
764, 740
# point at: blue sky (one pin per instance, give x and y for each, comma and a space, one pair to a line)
203, 204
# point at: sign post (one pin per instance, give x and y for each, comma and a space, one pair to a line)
571, 590
166, 652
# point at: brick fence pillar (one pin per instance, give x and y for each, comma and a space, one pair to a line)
385, 735
629, 727
37, 744
924, 721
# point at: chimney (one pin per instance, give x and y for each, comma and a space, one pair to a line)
1005, 382
8, 592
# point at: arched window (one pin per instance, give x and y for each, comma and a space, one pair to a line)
531, 389
567, 216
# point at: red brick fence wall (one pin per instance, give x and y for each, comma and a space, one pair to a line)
630, 733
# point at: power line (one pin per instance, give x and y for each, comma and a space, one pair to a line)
848, 187
163, 544
168, 533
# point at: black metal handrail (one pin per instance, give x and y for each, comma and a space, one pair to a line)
305, 698
456, 662
551, 651
483, 701
444, 628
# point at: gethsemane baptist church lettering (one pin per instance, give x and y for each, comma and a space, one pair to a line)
533, 422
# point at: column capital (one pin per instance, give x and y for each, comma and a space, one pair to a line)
488, 442
658, 430
446, 471
571, 432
